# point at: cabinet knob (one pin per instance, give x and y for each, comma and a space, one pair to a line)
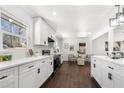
51, 63
109, 76
94, 65
38, 70
44, 42
43, 61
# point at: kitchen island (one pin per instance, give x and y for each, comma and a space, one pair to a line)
108, 72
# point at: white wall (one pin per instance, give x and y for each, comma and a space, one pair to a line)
98, 45
21, 15
75, 42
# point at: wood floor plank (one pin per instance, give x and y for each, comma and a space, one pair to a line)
70, 75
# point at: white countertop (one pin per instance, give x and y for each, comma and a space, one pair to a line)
13, 63
115, 61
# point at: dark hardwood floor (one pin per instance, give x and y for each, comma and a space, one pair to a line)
69, 75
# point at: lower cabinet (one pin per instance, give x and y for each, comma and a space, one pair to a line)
27, 75
45, 69
30, 75
96, 70
107, 74
118, 80
9, 78
107, 78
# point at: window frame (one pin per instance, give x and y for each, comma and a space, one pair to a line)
16, 19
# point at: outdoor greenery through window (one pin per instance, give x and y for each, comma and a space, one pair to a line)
13, 32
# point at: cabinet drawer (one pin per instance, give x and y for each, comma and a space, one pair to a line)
27, 67
116, 68
50, 59
8, 73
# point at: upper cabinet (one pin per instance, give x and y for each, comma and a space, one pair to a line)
42, 31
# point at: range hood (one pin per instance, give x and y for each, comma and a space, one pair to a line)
50, 39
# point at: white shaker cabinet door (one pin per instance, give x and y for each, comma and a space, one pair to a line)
41, 73
107, 78
28, 79
118, 80
9, 78
40, 31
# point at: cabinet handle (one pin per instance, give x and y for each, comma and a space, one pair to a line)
95, 60
94, 65
38, 70
51, 63
43, 61
44, 42
3, 77
110, 67
110, 76
31, 66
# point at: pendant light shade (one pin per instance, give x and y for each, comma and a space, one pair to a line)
113, 22
121, 17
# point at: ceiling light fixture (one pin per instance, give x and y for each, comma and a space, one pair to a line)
119, 19
84, 34
54, 13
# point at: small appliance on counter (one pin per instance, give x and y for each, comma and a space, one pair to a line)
5, 56
45, 52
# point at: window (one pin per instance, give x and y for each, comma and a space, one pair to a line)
13, 32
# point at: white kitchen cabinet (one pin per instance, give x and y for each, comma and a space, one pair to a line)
107, 78
40, 31
9, 78
50, 66
41, 73
96, 69
108, 74
41, 76
118, 80
27, 75
45, 69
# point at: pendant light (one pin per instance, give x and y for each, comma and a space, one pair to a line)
121, 16
115, 21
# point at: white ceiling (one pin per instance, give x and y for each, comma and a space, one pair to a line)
72, 21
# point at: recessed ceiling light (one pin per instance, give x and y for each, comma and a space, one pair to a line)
65, 35
89, 33
84, 34
54, 13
